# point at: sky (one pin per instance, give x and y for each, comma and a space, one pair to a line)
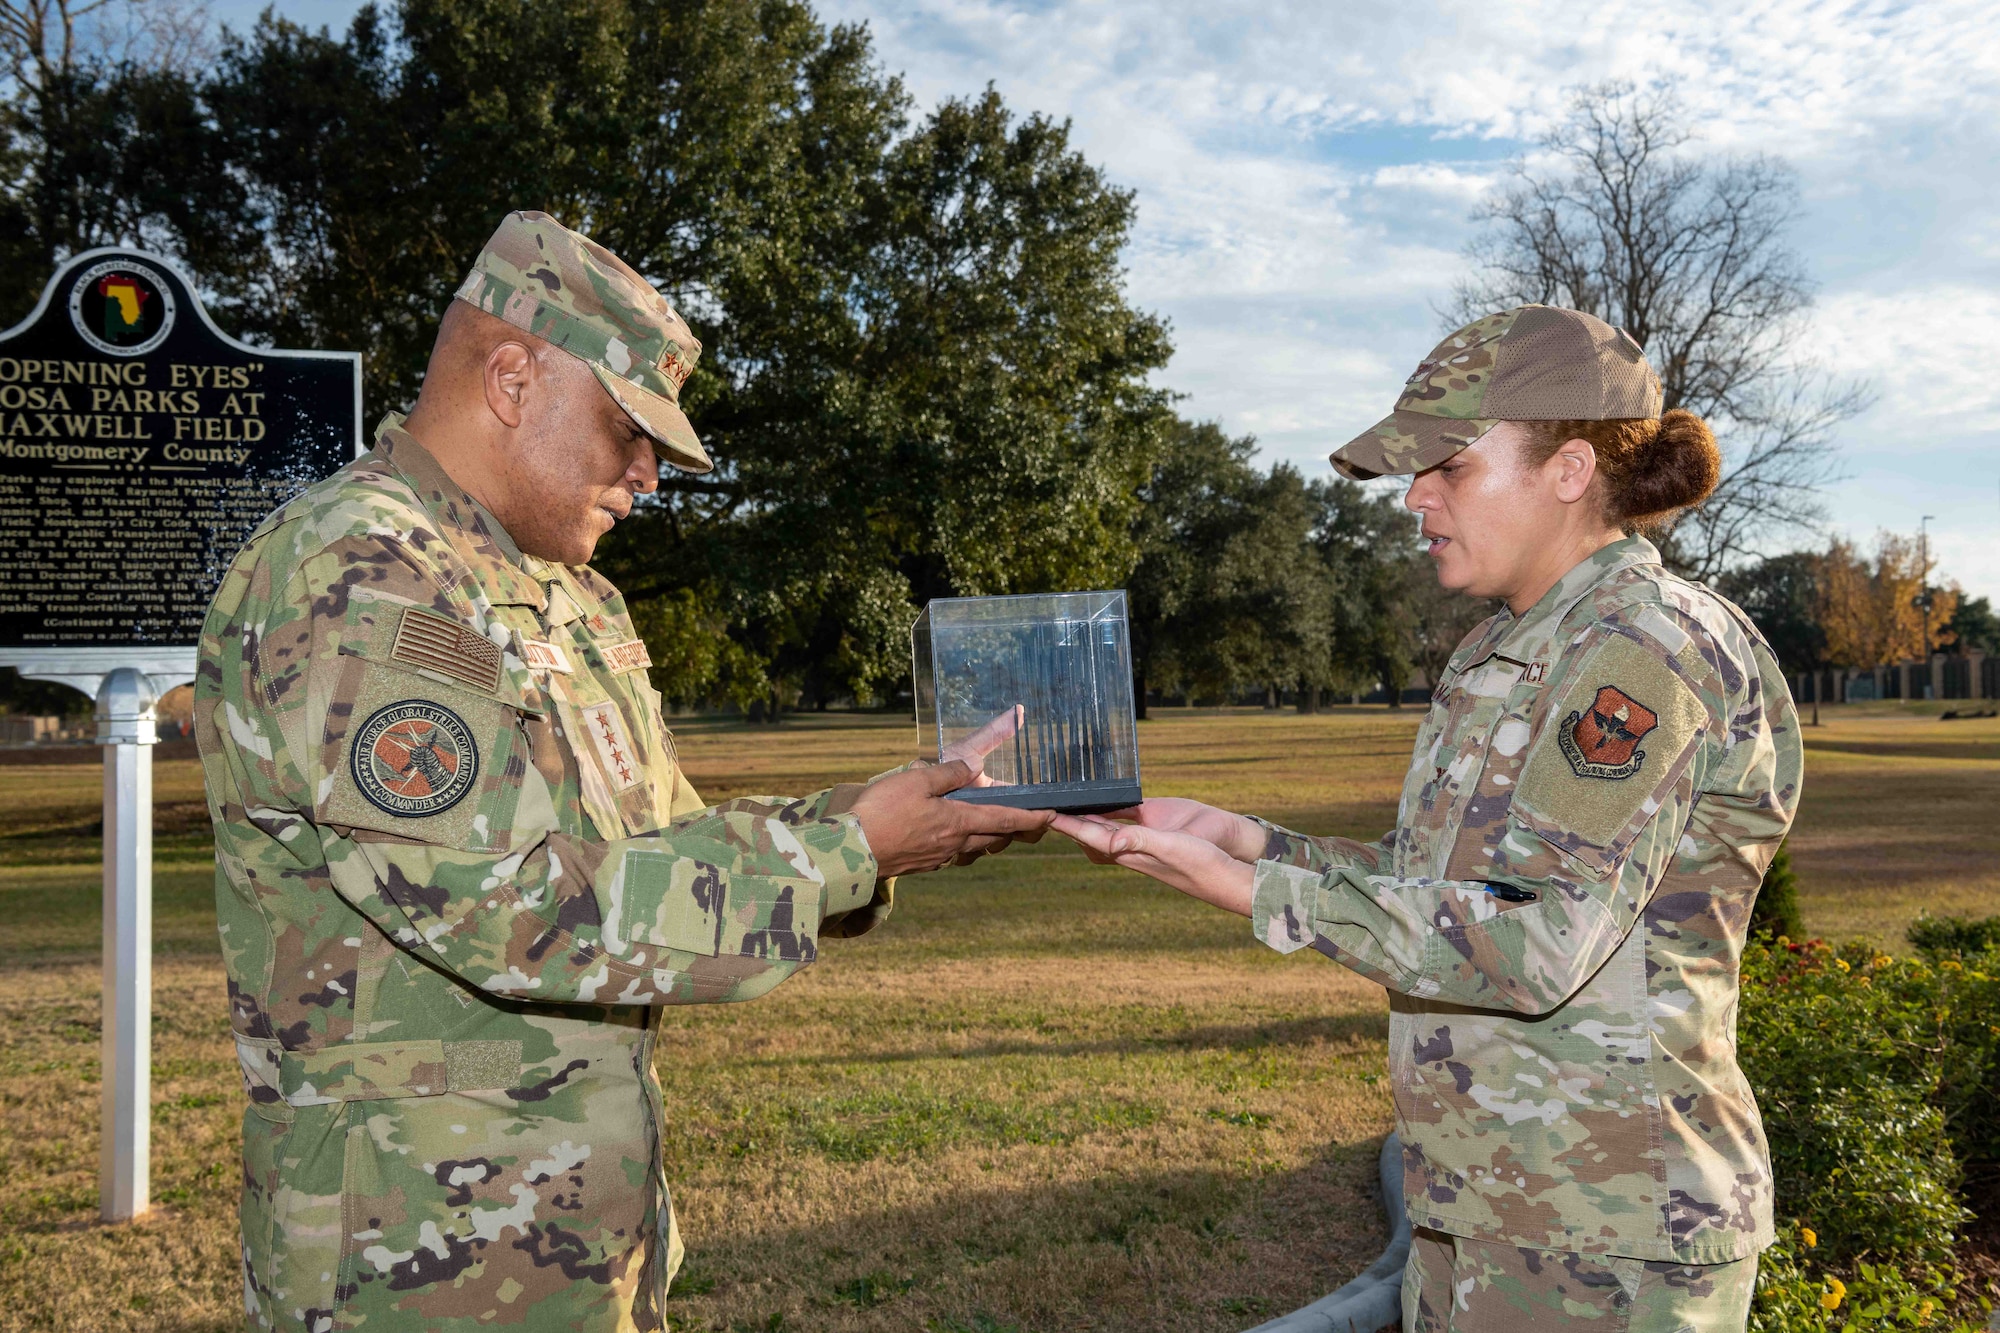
1307, 176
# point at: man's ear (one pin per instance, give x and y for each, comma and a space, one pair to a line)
508, 372
1576, 466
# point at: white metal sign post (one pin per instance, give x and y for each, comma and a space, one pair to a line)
127, 729
139, 446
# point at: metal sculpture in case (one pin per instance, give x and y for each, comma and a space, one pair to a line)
1042, 684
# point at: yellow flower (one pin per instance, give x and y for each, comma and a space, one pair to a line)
1881, 960
1810, 1237
1840, 963
1924, 1309
1835, 1290
1952, 965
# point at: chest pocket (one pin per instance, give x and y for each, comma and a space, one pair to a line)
423, 735
1447, 773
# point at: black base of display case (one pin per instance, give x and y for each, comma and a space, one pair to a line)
1069, 798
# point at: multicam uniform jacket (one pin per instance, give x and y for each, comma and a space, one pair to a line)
1559, 916
458, 870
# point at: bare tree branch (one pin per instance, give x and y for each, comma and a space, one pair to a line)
1687, 254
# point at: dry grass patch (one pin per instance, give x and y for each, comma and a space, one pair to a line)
1901, 815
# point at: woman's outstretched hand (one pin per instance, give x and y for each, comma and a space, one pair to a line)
1179, 843
1241, 838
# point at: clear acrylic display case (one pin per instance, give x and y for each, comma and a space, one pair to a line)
1061, 664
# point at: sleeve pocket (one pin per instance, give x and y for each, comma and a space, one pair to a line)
684, 898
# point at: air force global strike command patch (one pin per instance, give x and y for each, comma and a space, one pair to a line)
1602, 741
414, 758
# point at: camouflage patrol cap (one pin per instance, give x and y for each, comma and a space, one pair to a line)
561, 286
1531, 363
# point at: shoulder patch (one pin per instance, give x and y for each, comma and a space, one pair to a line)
1602, 739
414, 758
432, 642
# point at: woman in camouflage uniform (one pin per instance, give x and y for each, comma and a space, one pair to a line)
1607, 767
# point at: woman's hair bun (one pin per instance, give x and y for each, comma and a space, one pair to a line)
1649, 469
1675, 470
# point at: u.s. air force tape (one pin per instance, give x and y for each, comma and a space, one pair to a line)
414, 758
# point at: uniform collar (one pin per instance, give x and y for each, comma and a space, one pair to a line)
506, 575
1530, 637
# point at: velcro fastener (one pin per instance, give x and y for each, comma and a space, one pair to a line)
376, 1070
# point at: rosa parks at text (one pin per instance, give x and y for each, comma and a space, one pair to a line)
1607, 767
459, 871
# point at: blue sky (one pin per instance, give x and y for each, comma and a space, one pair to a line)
1307, 175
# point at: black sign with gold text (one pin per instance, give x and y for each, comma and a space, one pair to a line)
139, 447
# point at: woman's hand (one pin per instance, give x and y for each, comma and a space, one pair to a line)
1241, 838
1184, 859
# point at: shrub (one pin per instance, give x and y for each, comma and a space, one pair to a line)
1938, 937
1876, 1078
1776, 910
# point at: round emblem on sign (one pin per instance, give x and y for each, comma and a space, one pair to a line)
414, 758
121, 307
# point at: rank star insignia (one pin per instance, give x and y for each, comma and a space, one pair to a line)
1602, 741
414, 758
607, 735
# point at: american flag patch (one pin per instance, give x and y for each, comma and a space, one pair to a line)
627, 656
436, 643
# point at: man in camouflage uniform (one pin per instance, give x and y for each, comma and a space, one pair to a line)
1559, 913
459, 870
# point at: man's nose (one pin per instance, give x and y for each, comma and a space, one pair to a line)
644, 474
1418, 497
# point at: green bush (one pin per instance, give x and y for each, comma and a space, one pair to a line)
1938, 937
1876, 1078
1776, 910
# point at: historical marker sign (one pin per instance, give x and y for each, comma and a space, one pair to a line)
139, 447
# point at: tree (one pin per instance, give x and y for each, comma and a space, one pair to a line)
1869, 609
1185, 507
1228, 594
1368, 542
103, 139
1688, 255
1973, 627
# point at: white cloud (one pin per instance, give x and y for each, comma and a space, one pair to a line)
1930, 352
1434, 178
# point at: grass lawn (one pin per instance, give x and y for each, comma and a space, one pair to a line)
1046, 1096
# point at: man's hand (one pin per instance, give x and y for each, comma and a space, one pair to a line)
1190, 863
972, 749
912, 826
